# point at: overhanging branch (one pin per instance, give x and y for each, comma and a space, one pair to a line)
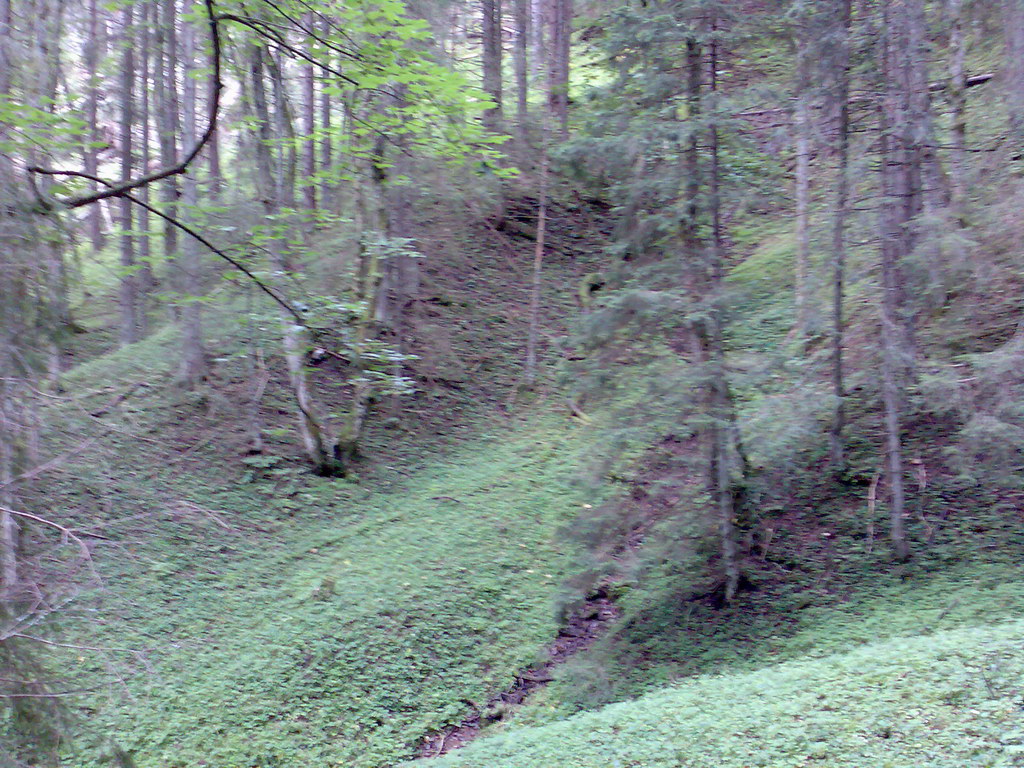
118, 190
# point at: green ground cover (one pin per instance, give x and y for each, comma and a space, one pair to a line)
947, 700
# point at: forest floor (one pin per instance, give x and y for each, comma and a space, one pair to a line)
251, 614
248, 613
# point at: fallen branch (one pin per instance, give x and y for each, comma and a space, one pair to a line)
51, 464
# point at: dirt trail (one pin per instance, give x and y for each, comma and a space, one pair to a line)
579, 633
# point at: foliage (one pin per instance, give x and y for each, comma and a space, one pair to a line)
343, 638
947, 700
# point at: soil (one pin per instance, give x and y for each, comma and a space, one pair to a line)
580, 631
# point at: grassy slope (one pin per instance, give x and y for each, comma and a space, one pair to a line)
275, 618
827, 604
344, 637
948, 700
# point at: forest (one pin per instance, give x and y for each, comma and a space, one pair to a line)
454, 384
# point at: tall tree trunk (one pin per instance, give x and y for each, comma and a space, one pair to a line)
319, 449
216, 172
1013, 31
374, 287
558, 63
327, 187
309, 128
165, 94
129, 295
895, 217
146, 277
802, 131
9, 529
909, 123
10, 239
92, 97
399, 286
522, 18
958, 104
841, 210
284, 127
540, 11
193, 357
724, 429
492, 50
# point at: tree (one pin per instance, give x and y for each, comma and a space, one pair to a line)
802, 140
193, 356
522, 45
957, 90
672, 180
491, 60
272, 182
165, 94
558, 63
309, 148
839, 65
92, 138
1013, 30
905, 127
129, 294
147, 279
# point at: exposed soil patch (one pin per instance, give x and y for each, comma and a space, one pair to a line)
584, 627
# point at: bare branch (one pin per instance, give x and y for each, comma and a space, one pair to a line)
118, 190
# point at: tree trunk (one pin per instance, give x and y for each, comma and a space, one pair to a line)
842, 96
284, 127
216, 172
724, 430
10, 242
894, 220
327, 187
129, 291
1013, 31
803, 190
522, 14
558, 63
146, 278
400, 279
372, 288
8, 524
165, 93
309, 128
492, 50
92, 97
193, 357
958, 104
319, 449
539, 19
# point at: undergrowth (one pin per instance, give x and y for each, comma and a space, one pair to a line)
336, 624
948, 700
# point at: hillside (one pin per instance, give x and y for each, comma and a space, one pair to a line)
946, 700
390, 383
339, 622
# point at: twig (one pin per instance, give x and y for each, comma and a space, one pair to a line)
51, 464
44, 641
188, 506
